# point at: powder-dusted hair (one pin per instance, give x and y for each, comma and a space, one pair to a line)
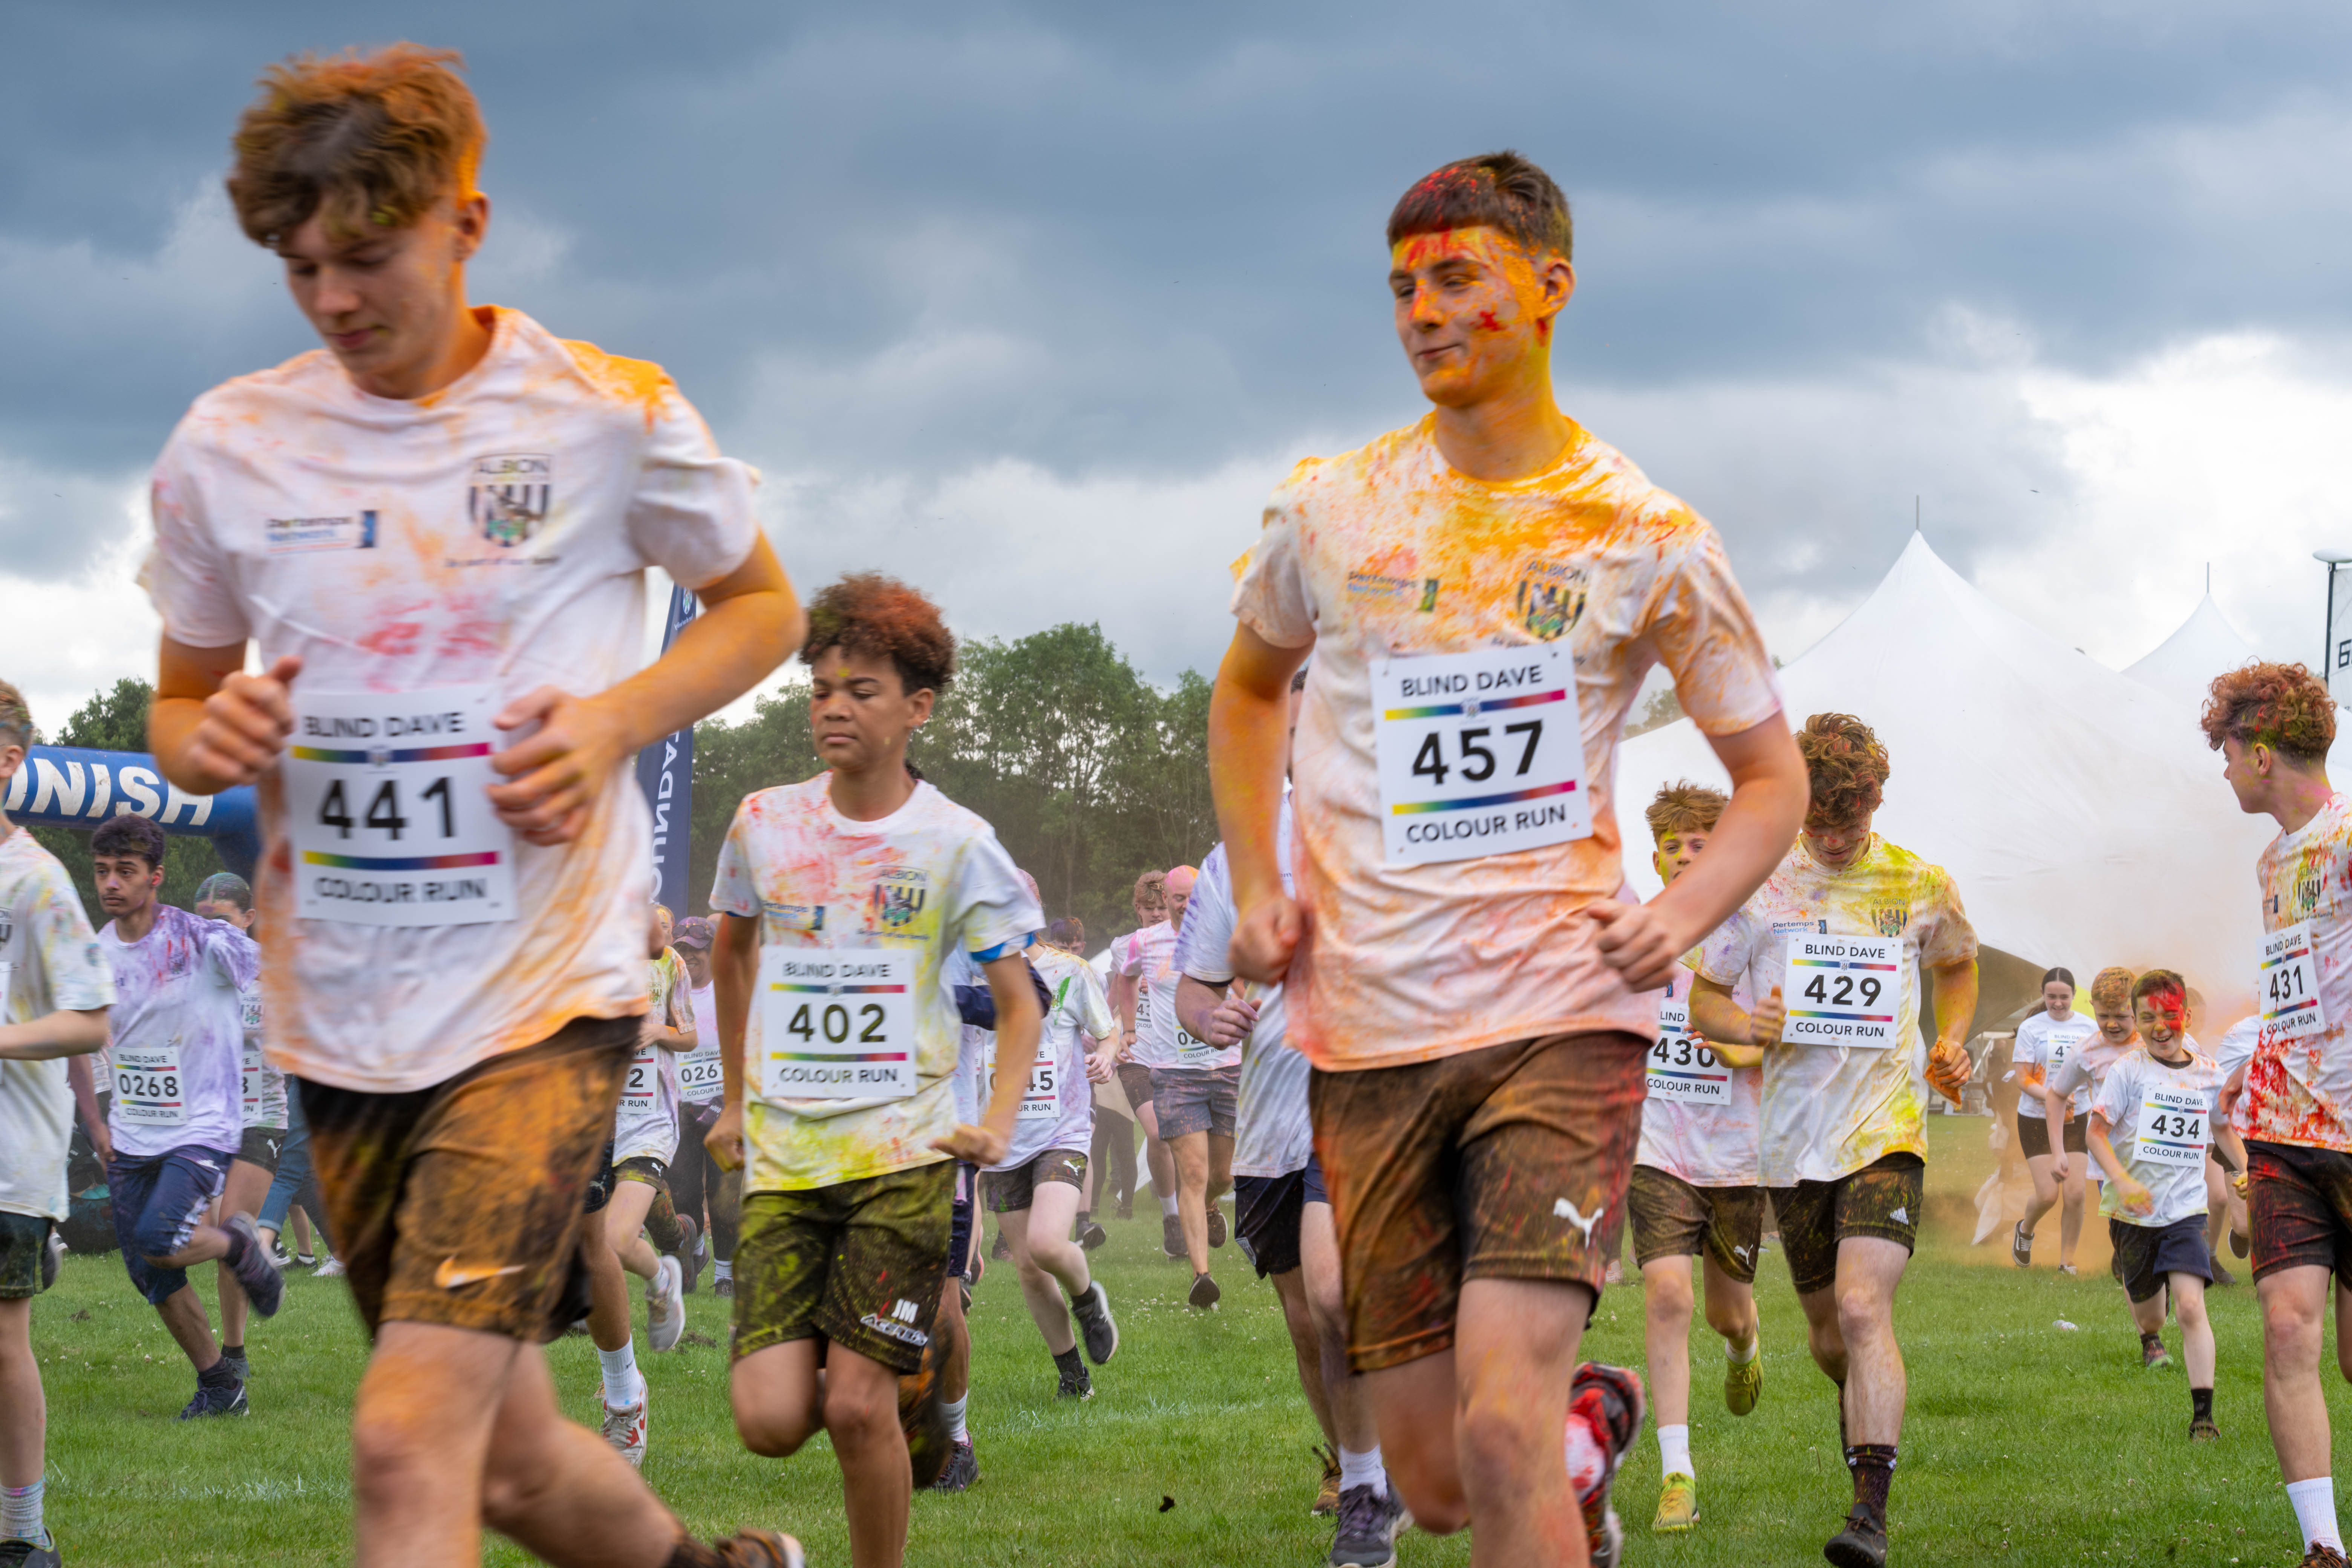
2161, 982
367, 141
2111, 989
1682, 808
2282, 706
15, 719
880, 616
1493, 189
1847, 767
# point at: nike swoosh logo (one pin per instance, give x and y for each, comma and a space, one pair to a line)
449, 1277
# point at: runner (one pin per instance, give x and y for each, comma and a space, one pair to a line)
704, 1194
1195, 1091
858, 883
1475, 1001
2078, 1080
2046, 1040
2160, 1098
1843, 1147
469, 569
2292, 1103
224, 896
1033, 1190
1695, 1192
176, 1035
1137, 960
55, 990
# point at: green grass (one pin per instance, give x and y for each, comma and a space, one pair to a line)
2024, 1443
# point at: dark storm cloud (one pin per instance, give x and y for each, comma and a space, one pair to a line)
884, 246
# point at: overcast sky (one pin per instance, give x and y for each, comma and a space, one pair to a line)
1032, 304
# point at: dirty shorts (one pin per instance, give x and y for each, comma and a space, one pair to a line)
1672, 1219
1881, 1199
858, 1264
1016, 1189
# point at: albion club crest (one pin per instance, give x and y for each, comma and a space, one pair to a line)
508, 496
1550, 599
1890, 919
898, 897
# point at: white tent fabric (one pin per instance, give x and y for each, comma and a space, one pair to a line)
2184, 664
2079, 811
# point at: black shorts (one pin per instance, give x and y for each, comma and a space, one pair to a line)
1671, 1218
1267, 1211
2034, 1136
1882, 1199
2299, 1208
2146, 1254
261, 1146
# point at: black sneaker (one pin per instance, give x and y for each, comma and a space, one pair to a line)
1216, 1226
1095, 1325
962, 1469
1172, 1237
1074, 1383
1091, 1235
1861, 1544
1368, 1529
26, 1555
1204, 1292
723, 1286
229, 1400
257, 1275
693, 1255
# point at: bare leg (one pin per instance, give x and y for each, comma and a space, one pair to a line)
955, 1365
1353, 1426
624, 1217
1161, 1165
1730, 1307
782, 1400
247, 1187
1868, 1272
185, 1320
2293, 1300
1667, 1305
23, 1431
608, 1287
2195, 1329
2046, 1192
2070, 1217
1039, 1291
1192, 1153
1306, 1346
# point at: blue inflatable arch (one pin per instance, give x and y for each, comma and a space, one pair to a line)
68, 786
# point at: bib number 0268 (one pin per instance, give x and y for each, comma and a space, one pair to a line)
1479, 753
837, 1023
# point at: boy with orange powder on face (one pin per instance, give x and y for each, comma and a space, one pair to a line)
436, 532
1483, 592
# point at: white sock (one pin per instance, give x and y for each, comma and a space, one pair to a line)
2315, 1510
723, 1269
1586, 1460
953, 1410
1168, 1205
20, 1514
1363, 1470
1674, 1451
623, 1387
1738, 1357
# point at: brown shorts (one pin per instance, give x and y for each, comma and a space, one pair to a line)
1009, 1191
1136, 1081
1672, 1219
1507, 1163
1881, 1199
858, 1264
462, 1204
2299, 1208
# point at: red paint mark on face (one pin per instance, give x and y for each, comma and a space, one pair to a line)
1486, 320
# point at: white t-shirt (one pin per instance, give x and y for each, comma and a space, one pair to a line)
261, 1087
931, 878
645, 1121
1162, 1041
497, 532
701, 1077
1272, 1136
1705, 1145
2299, 1091
1387, 552
178, 1033
2235, 1048
1080, 1009
2042, 1047
2138, 1090
48, 961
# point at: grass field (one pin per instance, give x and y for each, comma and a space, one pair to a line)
2025, 1443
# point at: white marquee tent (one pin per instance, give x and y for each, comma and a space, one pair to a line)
2078, 810
2185, 663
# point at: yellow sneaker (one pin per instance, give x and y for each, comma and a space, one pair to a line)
1677, 1505
1743, 1383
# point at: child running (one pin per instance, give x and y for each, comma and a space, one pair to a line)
2046, 1041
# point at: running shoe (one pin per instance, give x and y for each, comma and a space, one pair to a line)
301, 1260
1074, 1383
2240, 1243
2154, 1358
666, 1305
1743, 1383
1368, 1529
725, 1286
1126, 1211
1607, 1400
922, 1416
1095, 1326
1861, 1544
999, 1250
1677, 1504
331, 1269
1171, 1235
2321, 1556
228, 1401
1091, 1235
1204, 1292
2202, 1430
758, 1549
29, 1554
624, 1428
2021, 1246
2069, 1271
694, 1253
263, 1286
1216, 1224
1326, 1499
962, 1469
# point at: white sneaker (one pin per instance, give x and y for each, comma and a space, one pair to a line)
625, 1430
330, 1269
665, 1305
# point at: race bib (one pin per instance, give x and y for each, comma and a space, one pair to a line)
2172, 1129
701, 1077
1682, 1066
148, 1085
837, 1023
386, 810
641, 1091
2062, 1051
1193, 1053
1479, 753
2286, 984
1843, 991
1041, 1099
249, 1080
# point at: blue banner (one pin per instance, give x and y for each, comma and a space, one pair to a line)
666, 772
70, 786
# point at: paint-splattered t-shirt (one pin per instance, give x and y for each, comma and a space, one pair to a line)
177, 1034
497, 534
931, 878
2299, 1091
1080, 1010
1830, 1110
1708, 1145
2139, 1088
1388, 552
2080, 1077
1149, 958
645, 1123
2043, 1049
48, 961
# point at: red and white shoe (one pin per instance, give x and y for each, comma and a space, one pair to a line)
1604, 1414
624, 1428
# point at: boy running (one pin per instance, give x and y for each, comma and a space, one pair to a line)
178, 1114
1483, 592
1143, 971
55, 990
842, 897
2160, 1098
2076, 1081
2273, 724
1846, 924
1694, 1191
436, 531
